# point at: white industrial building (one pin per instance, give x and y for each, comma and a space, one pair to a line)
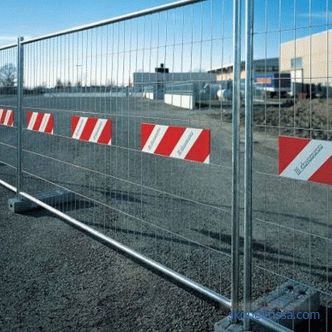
308, 59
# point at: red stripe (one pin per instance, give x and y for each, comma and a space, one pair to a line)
146, 130
169, 140
106, 134
50, 125
11, 119
74, 122
289, 148
28, 117
40, 116
38, 121
324, 173
5, 114
2, 120
88, 128
201, 148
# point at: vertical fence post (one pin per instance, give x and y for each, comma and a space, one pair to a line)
236, 105
19, 112
248, 155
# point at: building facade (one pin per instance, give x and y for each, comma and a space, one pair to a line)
145, 79
154, 85
270, 65
308, 59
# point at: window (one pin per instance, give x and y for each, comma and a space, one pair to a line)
296, 63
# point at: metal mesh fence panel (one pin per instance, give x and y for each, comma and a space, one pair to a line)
292, 149
137, 118
150, 163
8, 123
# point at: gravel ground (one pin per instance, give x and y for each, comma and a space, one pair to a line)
54, 278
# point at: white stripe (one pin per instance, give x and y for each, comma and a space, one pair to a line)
207, 160
12, 114
97, 130
110, 142
1, 111
309, 160
32, 120
8, 114
187, 140
154, 139
80, 127
44, 122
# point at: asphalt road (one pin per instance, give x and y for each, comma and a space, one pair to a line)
178, 212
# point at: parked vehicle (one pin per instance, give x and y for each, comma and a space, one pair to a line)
219, 90
273, 84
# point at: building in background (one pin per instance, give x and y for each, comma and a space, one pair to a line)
154, 83
309, 61
269, 65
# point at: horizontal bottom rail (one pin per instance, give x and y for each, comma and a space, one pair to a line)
206, 292
8, 186
132, 253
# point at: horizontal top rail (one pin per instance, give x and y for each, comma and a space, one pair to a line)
116, 19
6, 47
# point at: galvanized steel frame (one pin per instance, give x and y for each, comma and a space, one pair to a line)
153, 264
232, 303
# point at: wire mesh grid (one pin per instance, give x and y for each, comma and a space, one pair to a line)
292, 213
8, 132
174, 68
172, 210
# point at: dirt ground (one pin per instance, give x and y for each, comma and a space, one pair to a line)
306, 118
54, 278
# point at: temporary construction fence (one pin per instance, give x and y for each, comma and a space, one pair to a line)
176, 188
8, 129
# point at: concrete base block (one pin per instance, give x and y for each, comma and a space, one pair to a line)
53, 198
288, 298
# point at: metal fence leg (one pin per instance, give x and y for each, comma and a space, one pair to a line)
236, 105
19, 112
249, 17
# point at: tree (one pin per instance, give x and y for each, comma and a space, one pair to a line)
39, 89
59, 84
8, 76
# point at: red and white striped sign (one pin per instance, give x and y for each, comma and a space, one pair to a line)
41, 122
176, 142
92, 130
6, 117
305, 159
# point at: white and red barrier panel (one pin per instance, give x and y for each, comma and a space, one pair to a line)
6, 117
41, 122
92, 130
176, 142
305, 159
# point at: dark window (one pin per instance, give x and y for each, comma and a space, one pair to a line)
296, 63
